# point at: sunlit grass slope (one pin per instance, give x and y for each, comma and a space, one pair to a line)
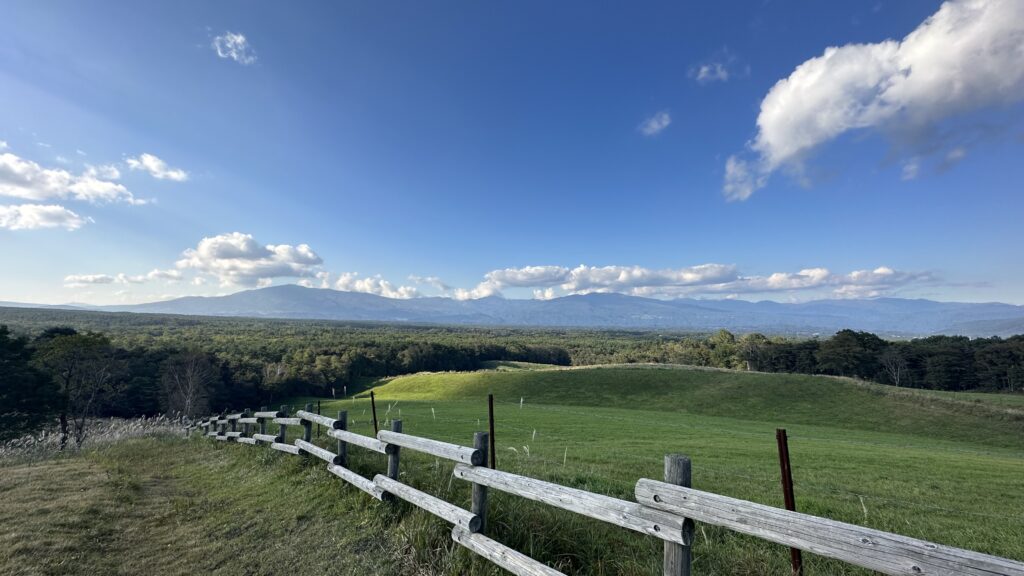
776, 398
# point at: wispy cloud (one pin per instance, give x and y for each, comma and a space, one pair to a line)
234, 46
35, 216
655, 124
79, 280
721, 67
964, 58
156, 168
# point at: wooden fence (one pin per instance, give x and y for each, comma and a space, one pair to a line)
664, 509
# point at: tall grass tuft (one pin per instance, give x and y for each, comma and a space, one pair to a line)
103, 432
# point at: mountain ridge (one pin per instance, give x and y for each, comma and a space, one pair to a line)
884, 316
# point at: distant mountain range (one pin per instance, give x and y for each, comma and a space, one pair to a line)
883, 316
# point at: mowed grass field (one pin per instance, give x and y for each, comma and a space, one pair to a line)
924, 465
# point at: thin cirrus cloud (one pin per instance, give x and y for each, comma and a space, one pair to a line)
36, 216
711, 72
234, 46
965, 58
80, 280
655, 124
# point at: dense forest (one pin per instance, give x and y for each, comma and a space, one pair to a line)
72, 365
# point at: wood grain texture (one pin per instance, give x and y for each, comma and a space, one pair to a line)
433, 447
612, 510
321, 453
515, 562
677, 557
359, 440
268, 414
364, 484
288, 421
264, 438
289, 448
450, 512
880, 551
317, 418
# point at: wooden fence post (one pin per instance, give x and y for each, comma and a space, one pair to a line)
282, 429
795, 556
263, 421
234, 425
393, 451
245, 427
342, 458
479, 504
677, 556
307, 426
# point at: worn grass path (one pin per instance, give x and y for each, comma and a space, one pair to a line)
168, 506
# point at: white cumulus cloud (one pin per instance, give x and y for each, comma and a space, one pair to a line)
237, 258
33, 216
156, 168
968, 56
234, 46
549, 282
21, 178
352, 282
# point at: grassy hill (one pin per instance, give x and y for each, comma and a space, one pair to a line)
774, 398
924, 465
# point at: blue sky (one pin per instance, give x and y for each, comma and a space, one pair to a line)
781, 150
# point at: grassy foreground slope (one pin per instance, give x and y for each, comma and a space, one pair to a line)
171, 506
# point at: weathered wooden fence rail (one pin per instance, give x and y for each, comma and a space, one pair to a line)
662, 509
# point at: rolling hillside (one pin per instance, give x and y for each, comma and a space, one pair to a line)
757, 397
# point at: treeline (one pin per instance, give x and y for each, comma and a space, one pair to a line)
104, 364
955, 363
76, 376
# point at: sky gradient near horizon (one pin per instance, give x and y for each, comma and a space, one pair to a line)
760, 150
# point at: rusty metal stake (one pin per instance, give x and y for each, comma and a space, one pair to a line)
795, 557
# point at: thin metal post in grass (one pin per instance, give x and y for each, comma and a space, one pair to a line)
342, 458
490, 427
282, 429
263, 421
479, 503
394, 450
795, 557
677, 556
373, 406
